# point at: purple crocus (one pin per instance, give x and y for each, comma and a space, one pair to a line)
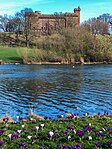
80, 133
109, 142
46, 147
15, 136
1, 143
97, 144
60, 116
70, 127
77, 146
87, 128
101, 133
109, 131
70, 146
56, 136
63, 146
22, 144
65, 132
2, 131
58, 146
20, 118
46, 117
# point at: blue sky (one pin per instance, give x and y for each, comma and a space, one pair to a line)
89, 8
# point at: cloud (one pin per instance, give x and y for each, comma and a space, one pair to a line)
15, 5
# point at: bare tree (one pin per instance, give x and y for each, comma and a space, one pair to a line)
3, 23
96, 26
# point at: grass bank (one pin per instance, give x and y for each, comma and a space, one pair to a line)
10, 55
73, 132
29, 56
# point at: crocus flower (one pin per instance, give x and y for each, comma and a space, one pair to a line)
70, 127
70, 146
13, 136
77, 146
29, 137
87, 128
90, 138
1, 143
42, 125
19, 118
65, 132
22, 144
80, 133
2, 131
74, 131
58, 146
89, 124
104, 129
63, 146
56, 136
46, 147
109, 131
23, 126
101, 133
109, 142
37, 128
60, 116
10, 135
19, 131
72, 116
50, 134
97, 144
86, 114
69, 137
46, 117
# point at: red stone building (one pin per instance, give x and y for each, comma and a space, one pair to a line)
46, 24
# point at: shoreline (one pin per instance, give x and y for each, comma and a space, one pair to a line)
53, 63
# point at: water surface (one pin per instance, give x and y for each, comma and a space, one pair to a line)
55, 89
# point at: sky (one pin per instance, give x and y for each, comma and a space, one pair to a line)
89, 8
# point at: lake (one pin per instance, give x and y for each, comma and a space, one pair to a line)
51, 90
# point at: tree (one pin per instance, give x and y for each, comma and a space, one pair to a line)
96, 26
4, 22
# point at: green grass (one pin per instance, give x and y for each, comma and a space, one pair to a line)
97, 130
18, 54
10, 54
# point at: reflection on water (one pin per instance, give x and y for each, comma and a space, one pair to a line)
55, 89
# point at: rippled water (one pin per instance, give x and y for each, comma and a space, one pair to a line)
55, 89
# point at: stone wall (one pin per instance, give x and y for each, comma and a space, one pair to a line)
43, 24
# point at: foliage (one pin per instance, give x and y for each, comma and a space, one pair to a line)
96, 26
73, 132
